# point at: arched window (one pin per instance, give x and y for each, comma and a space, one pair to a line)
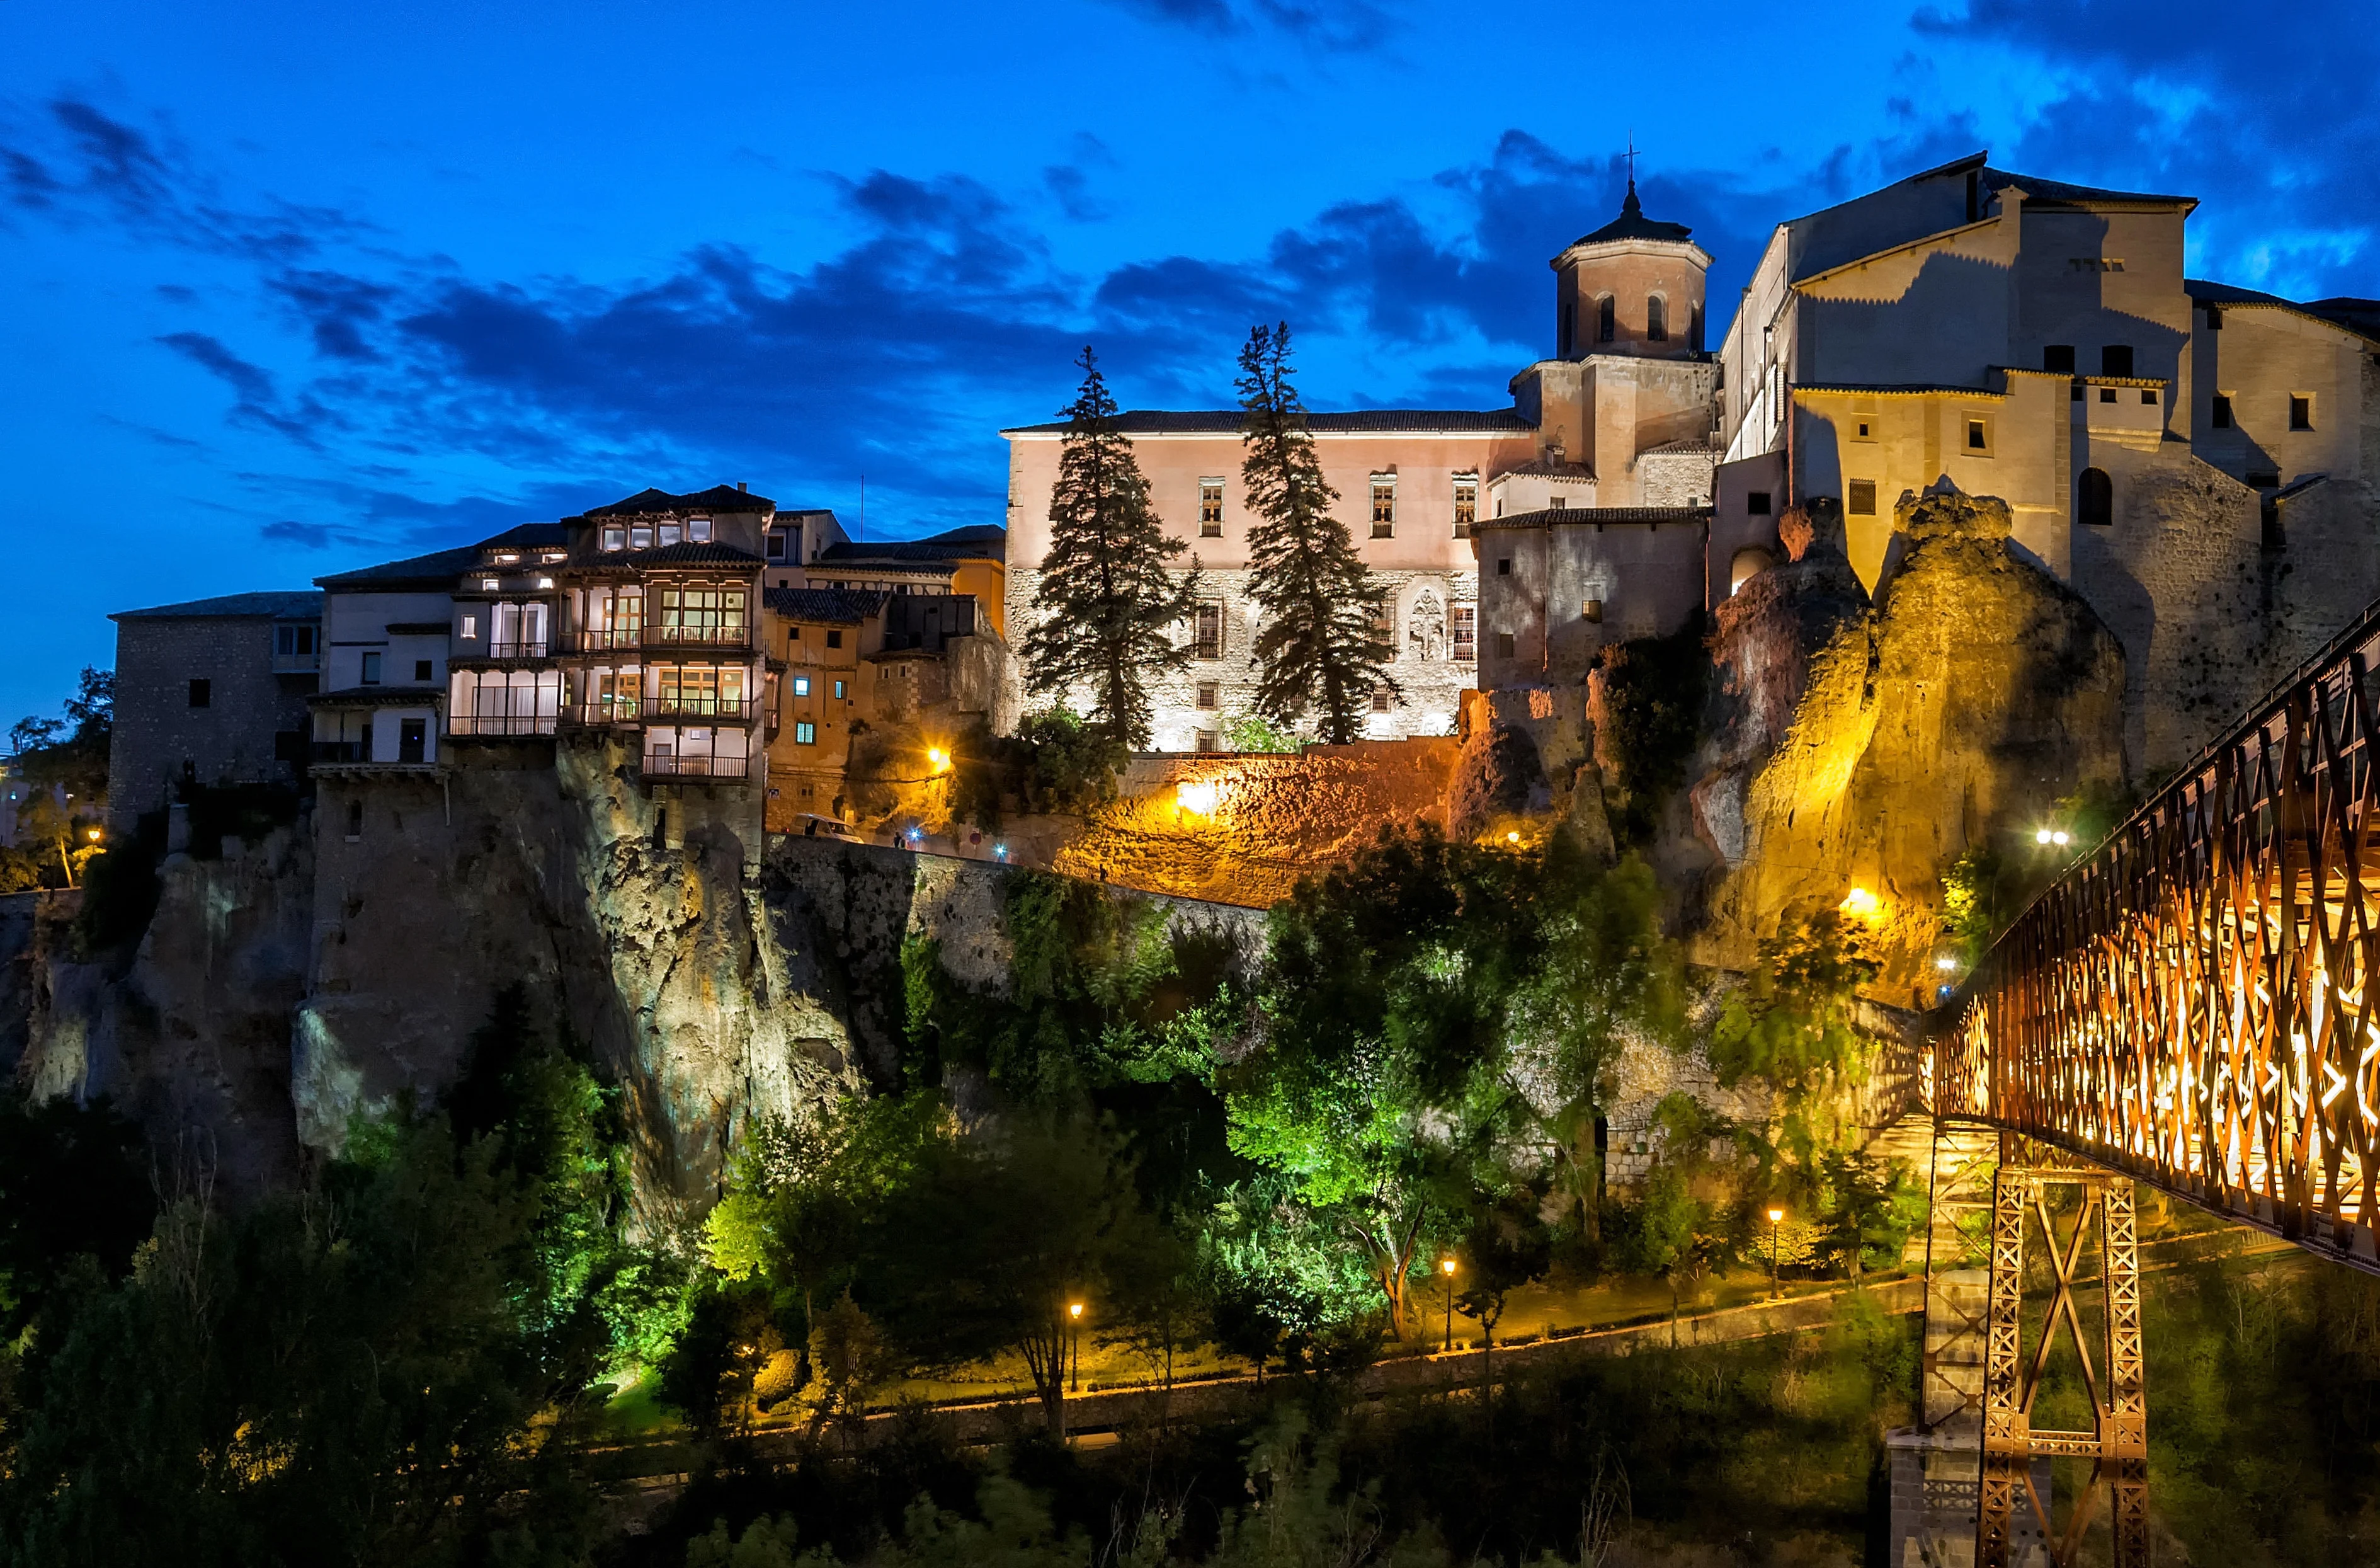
1656, 320
2095, 498
1607, 319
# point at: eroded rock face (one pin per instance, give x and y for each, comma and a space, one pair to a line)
1976, 691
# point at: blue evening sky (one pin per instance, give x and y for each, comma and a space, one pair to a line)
292, 287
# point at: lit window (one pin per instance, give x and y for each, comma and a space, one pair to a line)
640, 538
805, 735
470, 628
508, 557
555, 557
841, 687
1592, 611
671, 534
699, 529
1210, 508
1466, 504
1384, 505
615, 538
801, 685
487, 585
545, 582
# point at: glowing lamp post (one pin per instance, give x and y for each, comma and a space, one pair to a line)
1446, 1271
1074, 1314
1197, 797
938, 759
1776, 1218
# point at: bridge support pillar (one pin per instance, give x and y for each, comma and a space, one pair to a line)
2118, 1444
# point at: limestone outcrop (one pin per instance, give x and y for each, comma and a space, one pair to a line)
1868, 747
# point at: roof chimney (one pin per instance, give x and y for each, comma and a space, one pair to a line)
741, 485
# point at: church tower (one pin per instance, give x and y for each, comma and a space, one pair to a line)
1633, 286
1625, 407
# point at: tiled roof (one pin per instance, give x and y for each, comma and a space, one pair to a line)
1545, 467
300, 604
1632, 224
530, 536
1691, 443
1359, 422
2059, 193
837, 606
686, 553
1579, 516
438, 569
718, 498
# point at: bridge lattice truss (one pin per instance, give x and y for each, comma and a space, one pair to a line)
2198, 1002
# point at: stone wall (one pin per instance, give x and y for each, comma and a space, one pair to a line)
157, 731
1430, 680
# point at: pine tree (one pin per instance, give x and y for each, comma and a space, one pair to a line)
1107, 597
1319, 647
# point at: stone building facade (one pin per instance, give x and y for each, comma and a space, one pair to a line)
209, 692
1620, 418
2196, 460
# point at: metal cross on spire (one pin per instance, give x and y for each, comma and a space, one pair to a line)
1632, 159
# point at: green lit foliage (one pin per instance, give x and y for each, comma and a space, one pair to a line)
1970, 900
1405, 991
349, 1374
1650, 718
1793, 1023
1253, 733
1686, 1223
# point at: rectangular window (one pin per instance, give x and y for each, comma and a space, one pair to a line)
1591, 611
1503, 566
2148, 397
699, 529
1503, 645
1210, 508
1380, 699
776, 544
1558, 502
1466, 634
805, 734
2262, 479
2214, 318
1208, 633
1861, 502
640, 538
2115, 359
1979, 437
702, 614
1384, 505
372, 669
1466, 504
834, 639
1756, 503
295, 641
2107, 395
801, 685
1207, 740
202, 693
2059, 359
1864, 428
615, 538
1211, 694
2219, 415
841, 687
412, 739
669, 533
2074, 393
2300, 410
421, 675
618, 694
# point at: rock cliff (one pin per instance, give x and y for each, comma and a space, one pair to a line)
1867, 747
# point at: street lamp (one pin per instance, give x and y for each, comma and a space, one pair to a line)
1074, 1311
1776, 1218
1446, 1268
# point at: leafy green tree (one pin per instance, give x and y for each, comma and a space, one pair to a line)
1108, 596
1319, 649
1794, 1023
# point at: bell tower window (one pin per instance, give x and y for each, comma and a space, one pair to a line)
1656, 320
1607, 319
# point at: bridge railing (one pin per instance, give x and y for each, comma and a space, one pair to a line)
2198, 1000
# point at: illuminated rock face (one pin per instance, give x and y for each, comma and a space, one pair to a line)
1866, 747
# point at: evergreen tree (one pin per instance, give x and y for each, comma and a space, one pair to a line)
1317, 647
1107, 596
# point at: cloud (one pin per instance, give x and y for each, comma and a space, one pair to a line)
259, 400
2172, 97
1343, 26
317, 535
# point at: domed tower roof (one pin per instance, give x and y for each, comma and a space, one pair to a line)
1632, 224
